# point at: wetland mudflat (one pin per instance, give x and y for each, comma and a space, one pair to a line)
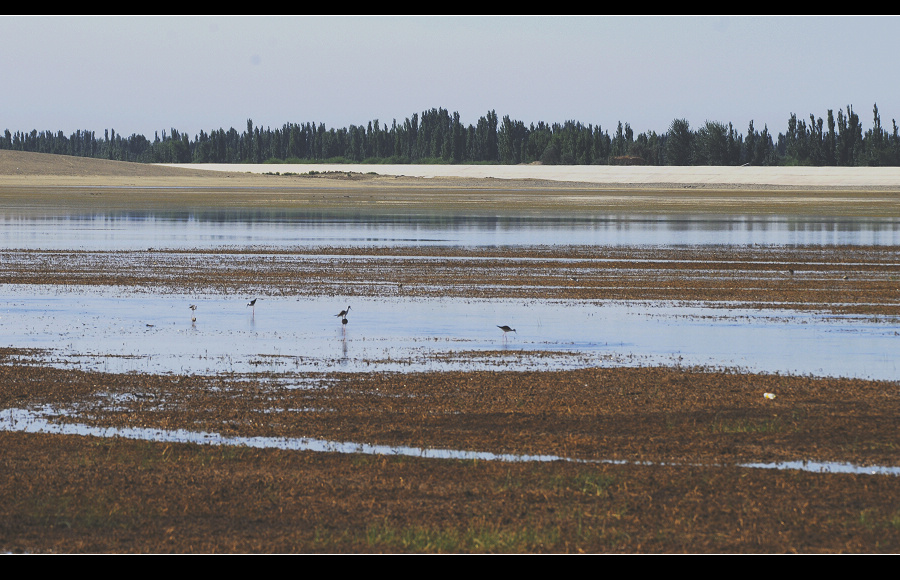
644, 349
660, 457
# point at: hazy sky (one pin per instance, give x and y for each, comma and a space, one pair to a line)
147, 74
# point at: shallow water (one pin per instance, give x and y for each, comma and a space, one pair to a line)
115, 330
27, 421
209, 229
119, 331
123, 330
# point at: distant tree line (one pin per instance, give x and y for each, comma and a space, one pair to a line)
437, 136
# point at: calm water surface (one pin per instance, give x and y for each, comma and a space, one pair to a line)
119, 330
206, 229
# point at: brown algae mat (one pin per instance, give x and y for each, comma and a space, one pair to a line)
680, 435
837, 279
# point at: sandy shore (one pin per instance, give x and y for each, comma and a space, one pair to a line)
27, 178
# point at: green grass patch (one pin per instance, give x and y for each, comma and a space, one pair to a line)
747, 426
421, 539
872, 519
102, 509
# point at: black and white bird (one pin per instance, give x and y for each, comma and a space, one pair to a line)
253, 304
343, 313
506, 329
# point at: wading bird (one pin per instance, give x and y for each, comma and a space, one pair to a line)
343, 314
253, 304
505, 330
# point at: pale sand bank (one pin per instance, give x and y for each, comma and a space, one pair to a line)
815, 177
20, 168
